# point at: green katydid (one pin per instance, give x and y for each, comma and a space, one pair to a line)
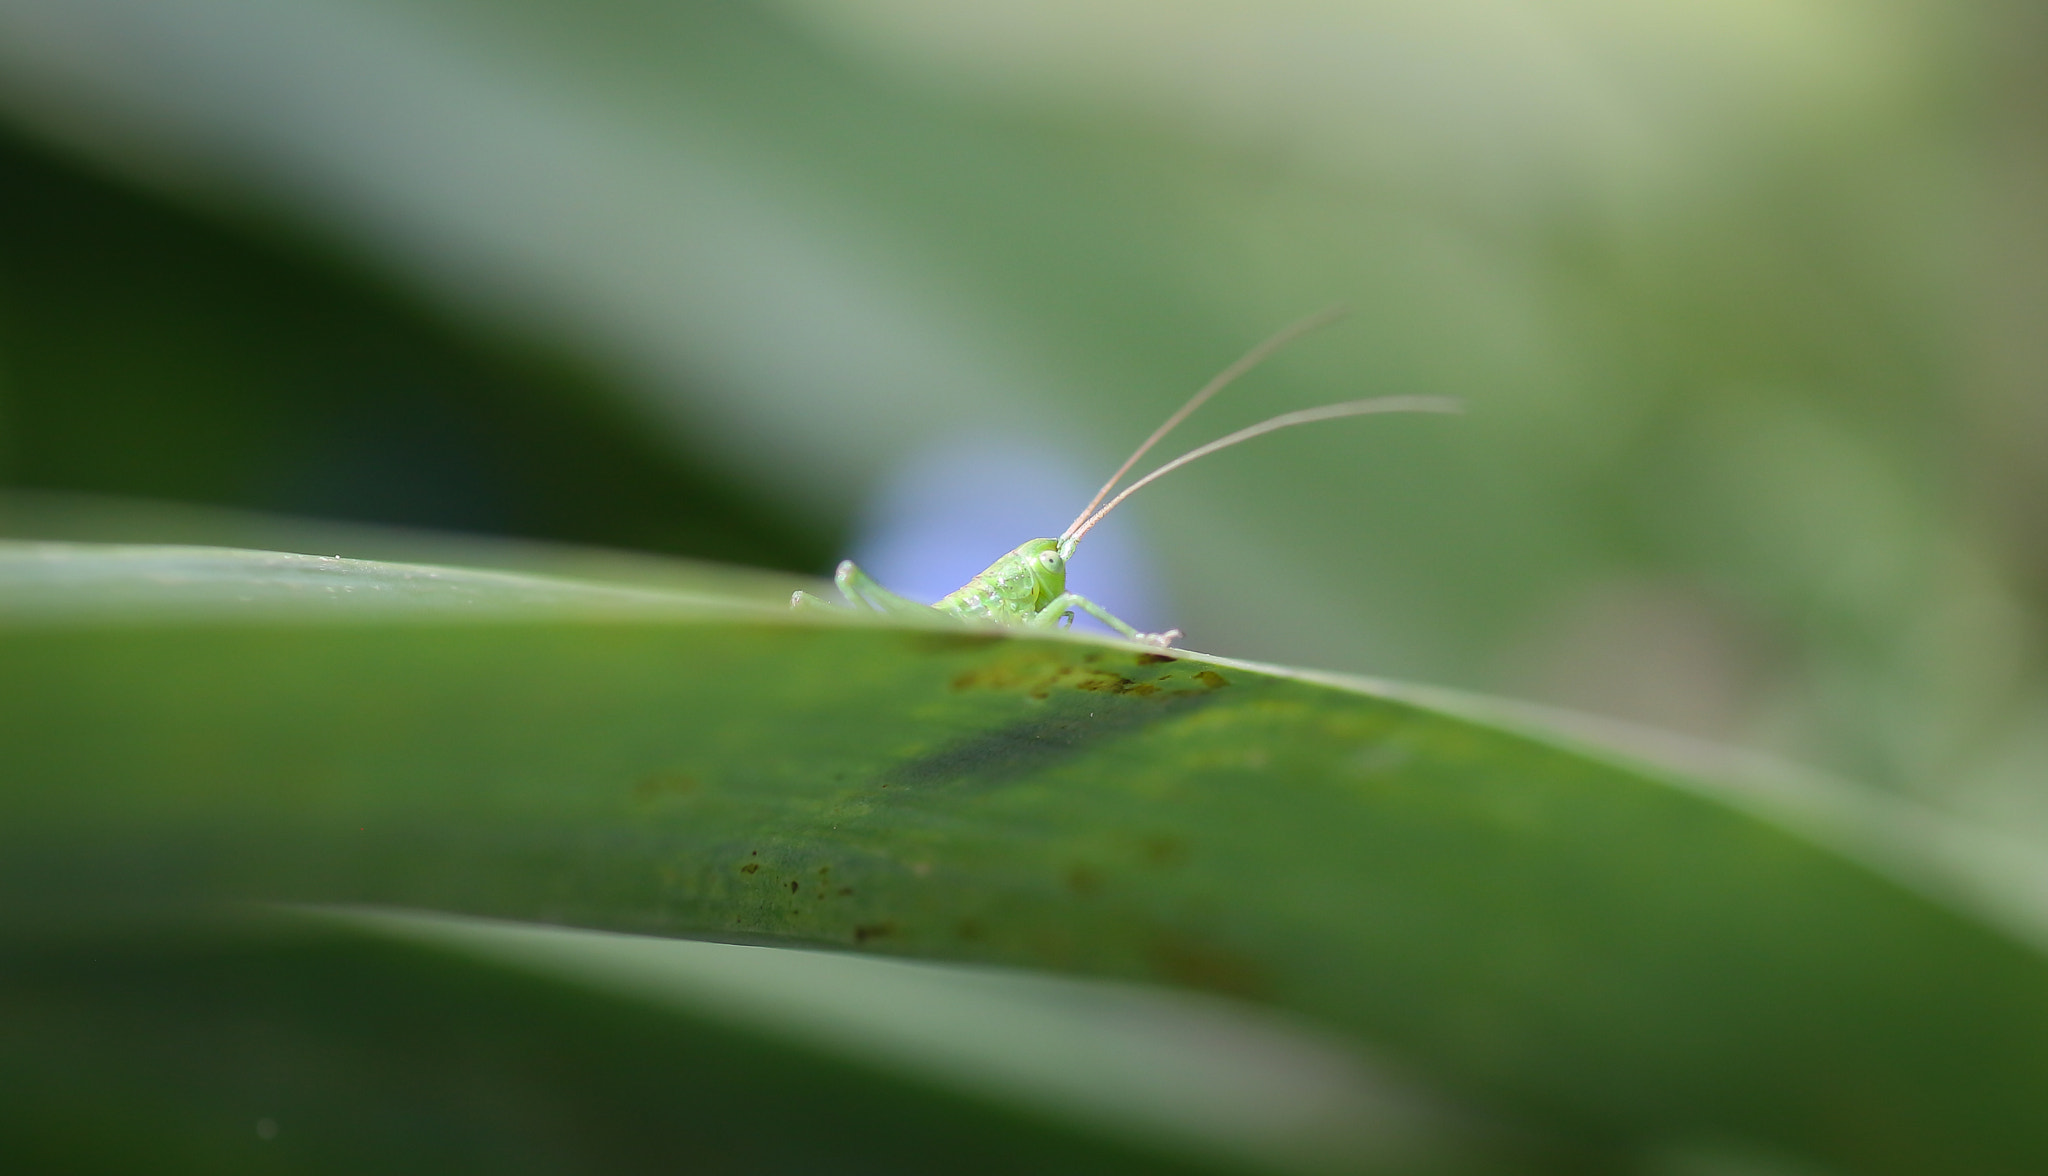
1027, 588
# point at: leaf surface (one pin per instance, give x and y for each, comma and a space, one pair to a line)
1571, 936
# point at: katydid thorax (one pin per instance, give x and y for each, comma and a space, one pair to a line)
1027, 587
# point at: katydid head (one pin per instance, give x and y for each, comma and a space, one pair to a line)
1090, 515
1047, 564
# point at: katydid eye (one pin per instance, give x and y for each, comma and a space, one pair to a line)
1050, 559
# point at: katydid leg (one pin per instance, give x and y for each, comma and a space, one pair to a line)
861, 591
1065, 602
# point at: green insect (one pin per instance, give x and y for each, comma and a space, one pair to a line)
1027, 588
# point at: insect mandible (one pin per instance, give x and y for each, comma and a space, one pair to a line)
1027, 588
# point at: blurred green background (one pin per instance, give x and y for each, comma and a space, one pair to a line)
1747, 301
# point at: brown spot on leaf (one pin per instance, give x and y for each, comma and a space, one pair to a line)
750, 868
970, 929
1103, 681
661, 786
867, 931
1164, 851
1191, 963
1005, 675
795, 886
1153, 659
1084, 880
1212, 679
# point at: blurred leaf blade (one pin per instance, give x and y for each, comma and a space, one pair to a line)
58, 516
154, 348
1561, 934
1210, 1080
246, 1040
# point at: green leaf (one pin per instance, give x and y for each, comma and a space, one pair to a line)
356, 1040
1613, 952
